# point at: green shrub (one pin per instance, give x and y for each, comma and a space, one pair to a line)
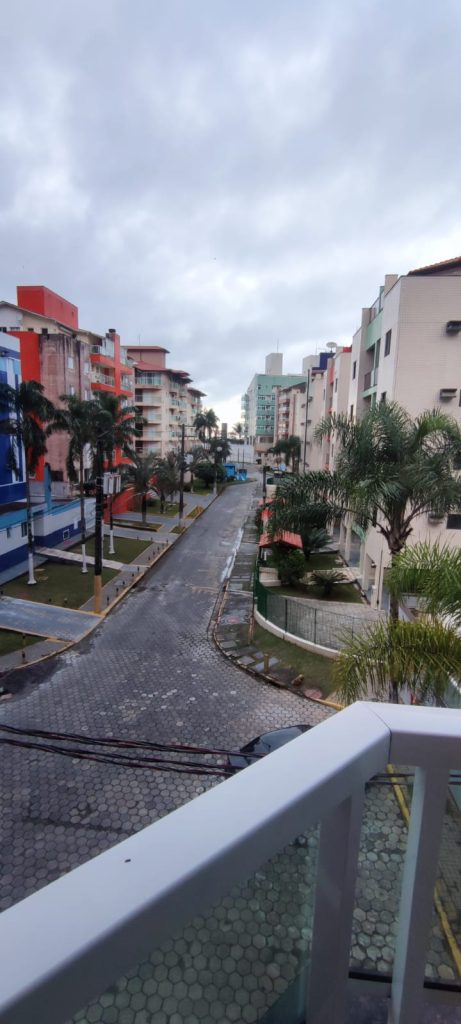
291, 567
328, 579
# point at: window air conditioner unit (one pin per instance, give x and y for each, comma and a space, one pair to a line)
453, 327
446, 394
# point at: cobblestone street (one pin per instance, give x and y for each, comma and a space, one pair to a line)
152, 671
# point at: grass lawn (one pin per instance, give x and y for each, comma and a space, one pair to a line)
171, 508
317, 670
199, 489
57, 584
10, 641
137, 524
126, 548
194, 512
177, 529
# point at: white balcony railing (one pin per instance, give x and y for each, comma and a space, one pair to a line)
66, 943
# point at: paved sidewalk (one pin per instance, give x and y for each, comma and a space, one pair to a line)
44, 619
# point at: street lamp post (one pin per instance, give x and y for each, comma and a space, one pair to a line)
218, 451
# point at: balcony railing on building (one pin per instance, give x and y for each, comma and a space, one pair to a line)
102, 378
106, 348
148, 379
370, 379
268, 863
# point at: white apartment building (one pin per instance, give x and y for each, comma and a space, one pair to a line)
327, 392
407, 349
164, 399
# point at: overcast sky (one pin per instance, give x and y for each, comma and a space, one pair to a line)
222, 176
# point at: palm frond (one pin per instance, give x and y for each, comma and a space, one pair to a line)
421, 656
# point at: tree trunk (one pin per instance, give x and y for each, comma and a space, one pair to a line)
144, 506
191, 482
394, 617
82, 515
30, 537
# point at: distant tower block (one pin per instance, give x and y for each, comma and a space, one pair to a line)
274, 364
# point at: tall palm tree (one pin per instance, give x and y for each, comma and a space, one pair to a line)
422, 656
291, 448
121, 427
116, 425
238, 430
205, 424
23, 412
391, 468
140, 474
78, 420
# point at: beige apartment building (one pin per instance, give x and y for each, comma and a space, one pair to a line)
407, 349
164, 399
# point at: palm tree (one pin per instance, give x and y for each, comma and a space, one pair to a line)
205, 423
121, 425
140, 474
423, 656
392, 656
115, 427
238, 430
166, 478
391, 468
23, 411
301, 505
78, 420
291, 448
431, 572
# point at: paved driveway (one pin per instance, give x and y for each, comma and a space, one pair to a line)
44, 619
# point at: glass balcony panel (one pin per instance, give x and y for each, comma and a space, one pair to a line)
379, 882
245, 956
444, 956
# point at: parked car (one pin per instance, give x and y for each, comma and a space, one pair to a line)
265, 744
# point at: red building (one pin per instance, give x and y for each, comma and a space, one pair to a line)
63, 357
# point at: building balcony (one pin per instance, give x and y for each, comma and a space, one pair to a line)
147, 398
370, 379
102, 379
106, 350
275, 861
153, 380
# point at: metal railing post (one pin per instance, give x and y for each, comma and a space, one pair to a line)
419, 876
334, 904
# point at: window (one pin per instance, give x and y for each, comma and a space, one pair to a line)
65, 534
23, 529
351, 414
387, 343
336, 383
354, 369
383, 396
86, 367
87, 395
70, 362
454, 521
72, 390
8, 532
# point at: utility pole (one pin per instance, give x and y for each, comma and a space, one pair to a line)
98, 535
181, 476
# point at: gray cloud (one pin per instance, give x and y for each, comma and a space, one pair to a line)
219, 177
